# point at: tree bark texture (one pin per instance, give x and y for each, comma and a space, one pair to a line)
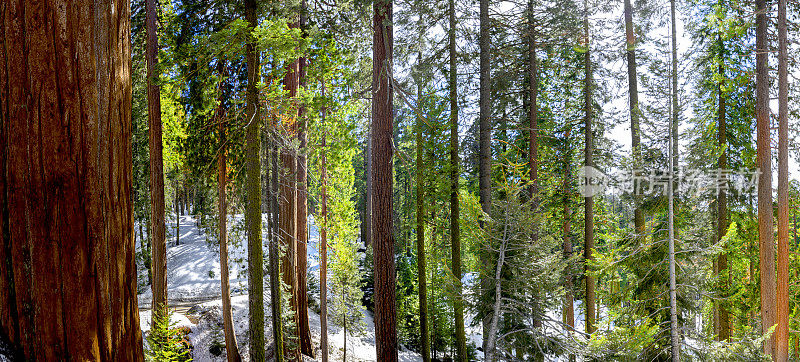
764, 165
67, 268
382, 152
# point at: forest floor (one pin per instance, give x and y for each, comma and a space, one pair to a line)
193, 289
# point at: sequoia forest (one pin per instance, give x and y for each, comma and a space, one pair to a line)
399, 180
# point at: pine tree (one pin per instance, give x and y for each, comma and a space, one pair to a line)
255, 258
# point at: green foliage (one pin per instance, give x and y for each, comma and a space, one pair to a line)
165, 343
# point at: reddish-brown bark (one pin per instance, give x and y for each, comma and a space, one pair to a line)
382, 237
67, 272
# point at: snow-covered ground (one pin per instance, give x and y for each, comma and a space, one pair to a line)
193, 278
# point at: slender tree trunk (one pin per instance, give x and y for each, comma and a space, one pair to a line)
588, 207
533, 145
177, 214
67, 254
569, 308
288, 204
255, 257
420, 227
782, 309
455, 230
382, 152
491, 339
420, 234
304, 332
633, 99
485, 154
157, 208
673, 297
323, 241
722, 203
231, 348
274, 244
764, 164
368, 201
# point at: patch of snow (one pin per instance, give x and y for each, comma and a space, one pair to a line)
189, 282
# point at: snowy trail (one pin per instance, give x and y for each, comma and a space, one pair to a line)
196, 293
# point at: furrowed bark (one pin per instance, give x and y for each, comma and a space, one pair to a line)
382, 152
764, 164
67, 268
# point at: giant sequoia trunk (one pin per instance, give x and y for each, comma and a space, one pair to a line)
782, 310
159, 241
67, 268
382, 237
764, 165
255, 253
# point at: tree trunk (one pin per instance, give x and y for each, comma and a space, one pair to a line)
455, 231
302, 211
633, 98
533, 145
491, 339
422, 282
673, 297
382, 152
323, 241
588, 208
764, 164
177, 214
157, 208
288, 203
231, 348
485, 147
368, 201
274, 245
569, 308
67, 254
782, 310
722, 202
255, 257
